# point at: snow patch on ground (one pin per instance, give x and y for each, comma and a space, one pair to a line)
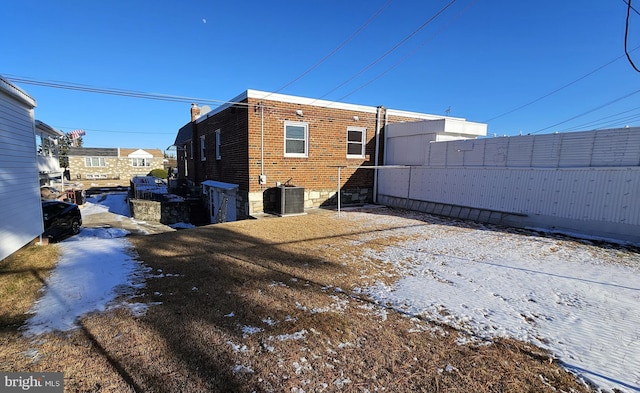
576, 300
580, 303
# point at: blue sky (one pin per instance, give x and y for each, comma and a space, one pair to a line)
482, 59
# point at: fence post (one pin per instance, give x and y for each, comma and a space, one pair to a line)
408, 189
339, 191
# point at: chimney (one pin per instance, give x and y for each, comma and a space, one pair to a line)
195, 112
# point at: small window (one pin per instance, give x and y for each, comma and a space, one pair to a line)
356, 142
203, 149
218, 156
94, 176
296, 139
94, 162
140, 162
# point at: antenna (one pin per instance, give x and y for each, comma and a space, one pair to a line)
448, 110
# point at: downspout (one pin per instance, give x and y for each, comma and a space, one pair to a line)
261, 144
194, 149
377, 152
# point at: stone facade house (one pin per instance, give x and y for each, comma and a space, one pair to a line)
260, 140
112, 163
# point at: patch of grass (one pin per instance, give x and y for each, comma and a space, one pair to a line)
22, 275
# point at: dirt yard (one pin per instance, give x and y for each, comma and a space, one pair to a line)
268, 306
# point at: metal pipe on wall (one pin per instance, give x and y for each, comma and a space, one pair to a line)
377, 152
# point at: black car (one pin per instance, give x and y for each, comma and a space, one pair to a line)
61, 219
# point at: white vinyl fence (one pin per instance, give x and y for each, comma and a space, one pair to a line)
586, 183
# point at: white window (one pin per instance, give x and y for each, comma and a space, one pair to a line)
94, 161
218, 156
140, 162
203, 149
296, 139
356, 142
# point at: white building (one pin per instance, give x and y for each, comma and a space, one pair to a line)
20, 191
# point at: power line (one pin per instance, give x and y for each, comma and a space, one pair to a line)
333, 52
387, 53
626, 36
610, 120
112, 91
116, 132
141, 95
633, 8
424, 43
558, 89
588, 112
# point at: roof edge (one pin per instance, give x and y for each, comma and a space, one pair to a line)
16, 92
270, 96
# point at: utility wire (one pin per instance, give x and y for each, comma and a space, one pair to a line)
588, 112
424, 43
387, 53
333, 52
608, 120
141, 95
112, 91
633, 8
558, 89
626, 36
114, 131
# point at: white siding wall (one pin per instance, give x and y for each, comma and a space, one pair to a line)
586, 182
19, 184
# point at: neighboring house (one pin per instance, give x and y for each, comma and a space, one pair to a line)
87, 163
20, 193
260, 140
48, 158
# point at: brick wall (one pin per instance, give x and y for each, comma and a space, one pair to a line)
327, 147
241, 140
232, 167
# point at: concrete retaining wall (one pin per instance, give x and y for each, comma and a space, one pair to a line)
164, 212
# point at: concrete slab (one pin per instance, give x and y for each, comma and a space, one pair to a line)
135, 227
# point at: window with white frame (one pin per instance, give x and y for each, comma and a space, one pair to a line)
218, 156
203, 149
94, 162
296, 139
356, 142
140, 162
94, 176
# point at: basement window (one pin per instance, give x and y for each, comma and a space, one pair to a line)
296, 139
356, 142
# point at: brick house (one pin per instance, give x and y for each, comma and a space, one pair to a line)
91, 163
260, 140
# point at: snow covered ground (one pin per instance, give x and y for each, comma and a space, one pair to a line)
582, 303
95, 266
